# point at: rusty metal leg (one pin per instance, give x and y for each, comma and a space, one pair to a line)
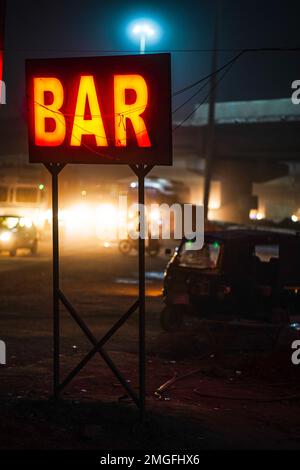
56, 325
141, 171
142, 338
55, 169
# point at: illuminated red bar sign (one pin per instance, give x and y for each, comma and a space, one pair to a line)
114, 110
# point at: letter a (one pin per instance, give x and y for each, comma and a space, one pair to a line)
94, 125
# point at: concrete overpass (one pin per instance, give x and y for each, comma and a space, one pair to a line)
255, 141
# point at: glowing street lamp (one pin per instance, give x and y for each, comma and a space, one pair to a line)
143, 31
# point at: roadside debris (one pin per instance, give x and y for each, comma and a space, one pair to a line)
160, 390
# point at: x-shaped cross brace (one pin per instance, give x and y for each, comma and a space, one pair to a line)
98, 346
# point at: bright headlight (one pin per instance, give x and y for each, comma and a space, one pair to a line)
155, 215
5, 236
26, 222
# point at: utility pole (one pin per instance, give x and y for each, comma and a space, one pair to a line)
210, 142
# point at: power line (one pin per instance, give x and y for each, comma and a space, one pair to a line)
191, 97
226, 66
157, 51
208, 76
86, 131
188, 87
121, 115
204, 99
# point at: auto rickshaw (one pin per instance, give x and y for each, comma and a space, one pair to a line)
237, 274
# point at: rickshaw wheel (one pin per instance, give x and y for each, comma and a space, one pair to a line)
171, 318
125, 247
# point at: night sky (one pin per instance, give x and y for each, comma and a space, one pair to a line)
43, 28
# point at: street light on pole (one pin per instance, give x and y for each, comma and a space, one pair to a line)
143, 30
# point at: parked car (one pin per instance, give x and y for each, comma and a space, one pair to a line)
250, 274
17, 232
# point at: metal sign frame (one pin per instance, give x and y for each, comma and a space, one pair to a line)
67, 75
58, 296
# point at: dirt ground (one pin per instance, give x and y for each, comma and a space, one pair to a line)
239, 390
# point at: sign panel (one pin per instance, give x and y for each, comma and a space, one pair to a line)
113, 110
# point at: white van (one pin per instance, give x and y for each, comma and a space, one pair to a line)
25, 200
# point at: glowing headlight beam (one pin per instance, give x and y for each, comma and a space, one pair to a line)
5, 237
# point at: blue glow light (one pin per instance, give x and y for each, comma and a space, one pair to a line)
144, 27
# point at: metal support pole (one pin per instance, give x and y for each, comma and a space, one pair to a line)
55, 280
210, 149
142, 337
